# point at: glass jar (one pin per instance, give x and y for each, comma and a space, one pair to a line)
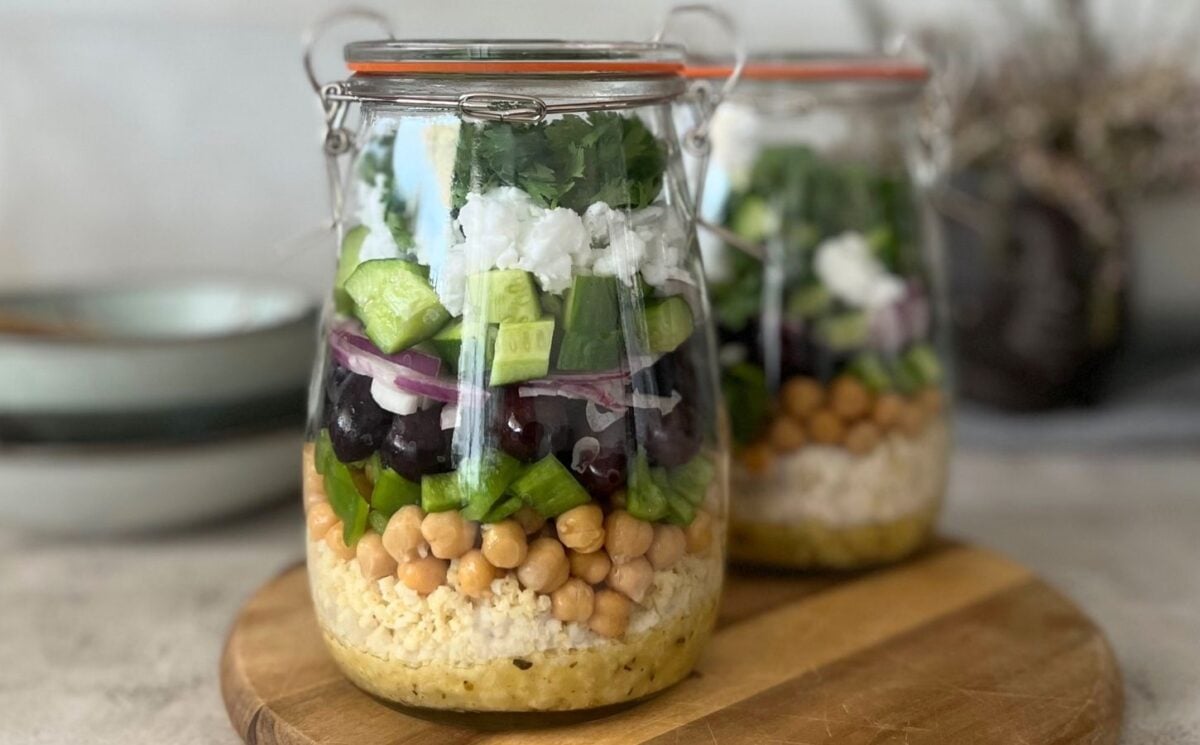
515, 488
821, 275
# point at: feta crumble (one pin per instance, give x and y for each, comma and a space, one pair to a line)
846, 266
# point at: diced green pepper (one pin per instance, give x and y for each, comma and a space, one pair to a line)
483, 482
347, 501
645, 497
377, 521
503, 510
440, 492
549, 488
692, 479
392, 491
868, 368
323, 452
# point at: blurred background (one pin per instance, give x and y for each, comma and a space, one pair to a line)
142, 140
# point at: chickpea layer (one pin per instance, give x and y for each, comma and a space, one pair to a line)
846, 414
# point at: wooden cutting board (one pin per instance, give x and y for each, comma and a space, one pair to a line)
958, 646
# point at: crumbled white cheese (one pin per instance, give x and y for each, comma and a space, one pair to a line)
393, 399
849, 269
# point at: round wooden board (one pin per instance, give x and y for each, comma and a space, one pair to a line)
958, 646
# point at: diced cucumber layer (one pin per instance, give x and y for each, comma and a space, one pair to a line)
522, 351
392, 491
483, 483
584, 352
591, 306
451, 342
503, 296
397, 306
549, 488
347, 263
845, 332
668, 324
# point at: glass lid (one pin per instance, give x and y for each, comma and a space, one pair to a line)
513, 56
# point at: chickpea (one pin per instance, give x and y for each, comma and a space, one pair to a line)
573, 601
545, 569
826, 428
632, 578
930, 399
912, 419
610, 613
862, 438
786, 435
668, 546
320, 519
850, 399
801, 397
699, 534
373, 560
756, 458
504, 544
402, 537
888, 409
314, 488
529, 519
423, 575
582, 528
449, 535
626, 536
337, 542
475, 574
591, 568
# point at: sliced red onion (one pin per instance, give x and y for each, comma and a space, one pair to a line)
375, 365
584, 452
393, 399
665, 404
425, 364
599, 420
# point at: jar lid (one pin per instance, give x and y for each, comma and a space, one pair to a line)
512, 57
816, 68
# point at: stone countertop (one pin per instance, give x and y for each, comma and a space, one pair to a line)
118, 641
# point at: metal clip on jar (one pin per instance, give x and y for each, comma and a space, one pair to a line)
826, 317
515, 488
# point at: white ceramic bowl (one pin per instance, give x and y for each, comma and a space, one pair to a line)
114, 489
171, 346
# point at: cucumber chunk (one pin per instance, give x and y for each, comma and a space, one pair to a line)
646, 498
845, 332
347, 263
483, 483
392, 491
397, 306
347, 501
591, 306
809, 302
450, 342
668, 324
440, 492
522, 351
589, 353
502, 296
549, 488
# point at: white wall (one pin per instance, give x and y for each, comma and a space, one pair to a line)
144, 138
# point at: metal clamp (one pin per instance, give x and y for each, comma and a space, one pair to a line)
707, 100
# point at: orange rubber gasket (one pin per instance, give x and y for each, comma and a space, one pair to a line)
814, 71
513, 67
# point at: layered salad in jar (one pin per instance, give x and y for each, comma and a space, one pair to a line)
829, 366
514, 494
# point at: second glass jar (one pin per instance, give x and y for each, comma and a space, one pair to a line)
822, 280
